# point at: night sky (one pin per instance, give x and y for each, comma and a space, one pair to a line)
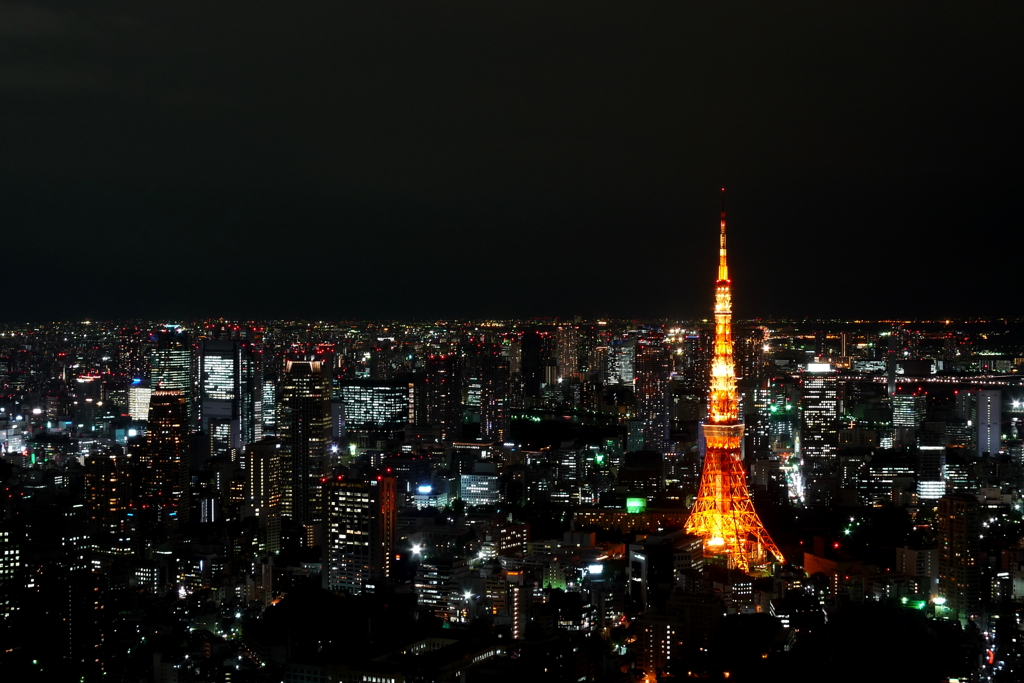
447, 159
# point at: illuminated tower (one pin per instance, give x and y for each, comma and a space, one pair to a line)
723, 514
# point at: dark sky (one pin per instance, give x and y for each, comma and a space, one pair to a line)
429, 159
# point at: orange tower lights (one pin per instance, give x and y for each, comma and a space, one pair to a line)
723, 513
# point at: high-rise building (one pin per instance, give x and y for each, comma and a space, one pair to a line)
10, 571
990, 418
538, 353
819, 404
444, 395
138, 400
494, 408
653, 369
567, 349
931, 472
910, 409
959, 525
166, 467
170, 362
723, 514
304, 427
263, 492
375, 408
230, 394
107, 490
269, 405
621, 362
359, 534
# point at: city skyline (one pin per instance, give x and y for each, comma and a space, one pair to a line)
378, 342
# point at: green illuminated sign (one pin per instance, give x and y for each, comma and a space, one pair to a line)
635, 506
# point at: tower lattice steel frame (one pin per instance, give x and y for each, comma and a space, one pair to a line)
723, 513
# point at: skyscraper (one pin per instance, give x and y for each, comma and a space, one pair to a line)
304, 427
263, 492
230, 394
170, 362
107, 490
723, 514
166, 466
653, 369
138, 400
494, 408
444, 394
537, 354
375, 408
819, 400
960, 553
989, 421
909, 410
567, 338
360, 534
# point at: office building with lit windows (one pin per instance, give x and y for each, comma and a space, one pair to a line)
10, 571
263, 492
481, 487
374, 407
230, 394
494, 398
990, 416
170, 363
359, 538
819, 404
138, 400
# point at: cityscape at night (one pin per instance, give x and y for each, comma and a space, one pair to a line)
584, 500
453, 342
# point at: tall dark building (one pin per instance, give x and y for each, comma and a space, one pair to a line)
107, 491
166, 466
538, 353
304, 427
695, 362
494, 408
653, 369
960, 553
444, 395
359, 534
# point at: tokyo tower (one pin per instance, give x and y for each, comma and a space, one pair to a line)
723, 513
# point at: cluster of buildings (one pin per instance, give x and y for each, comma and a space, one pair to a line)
516, 491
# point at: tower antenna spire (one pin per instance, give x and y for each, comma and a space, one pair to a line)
723, 267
